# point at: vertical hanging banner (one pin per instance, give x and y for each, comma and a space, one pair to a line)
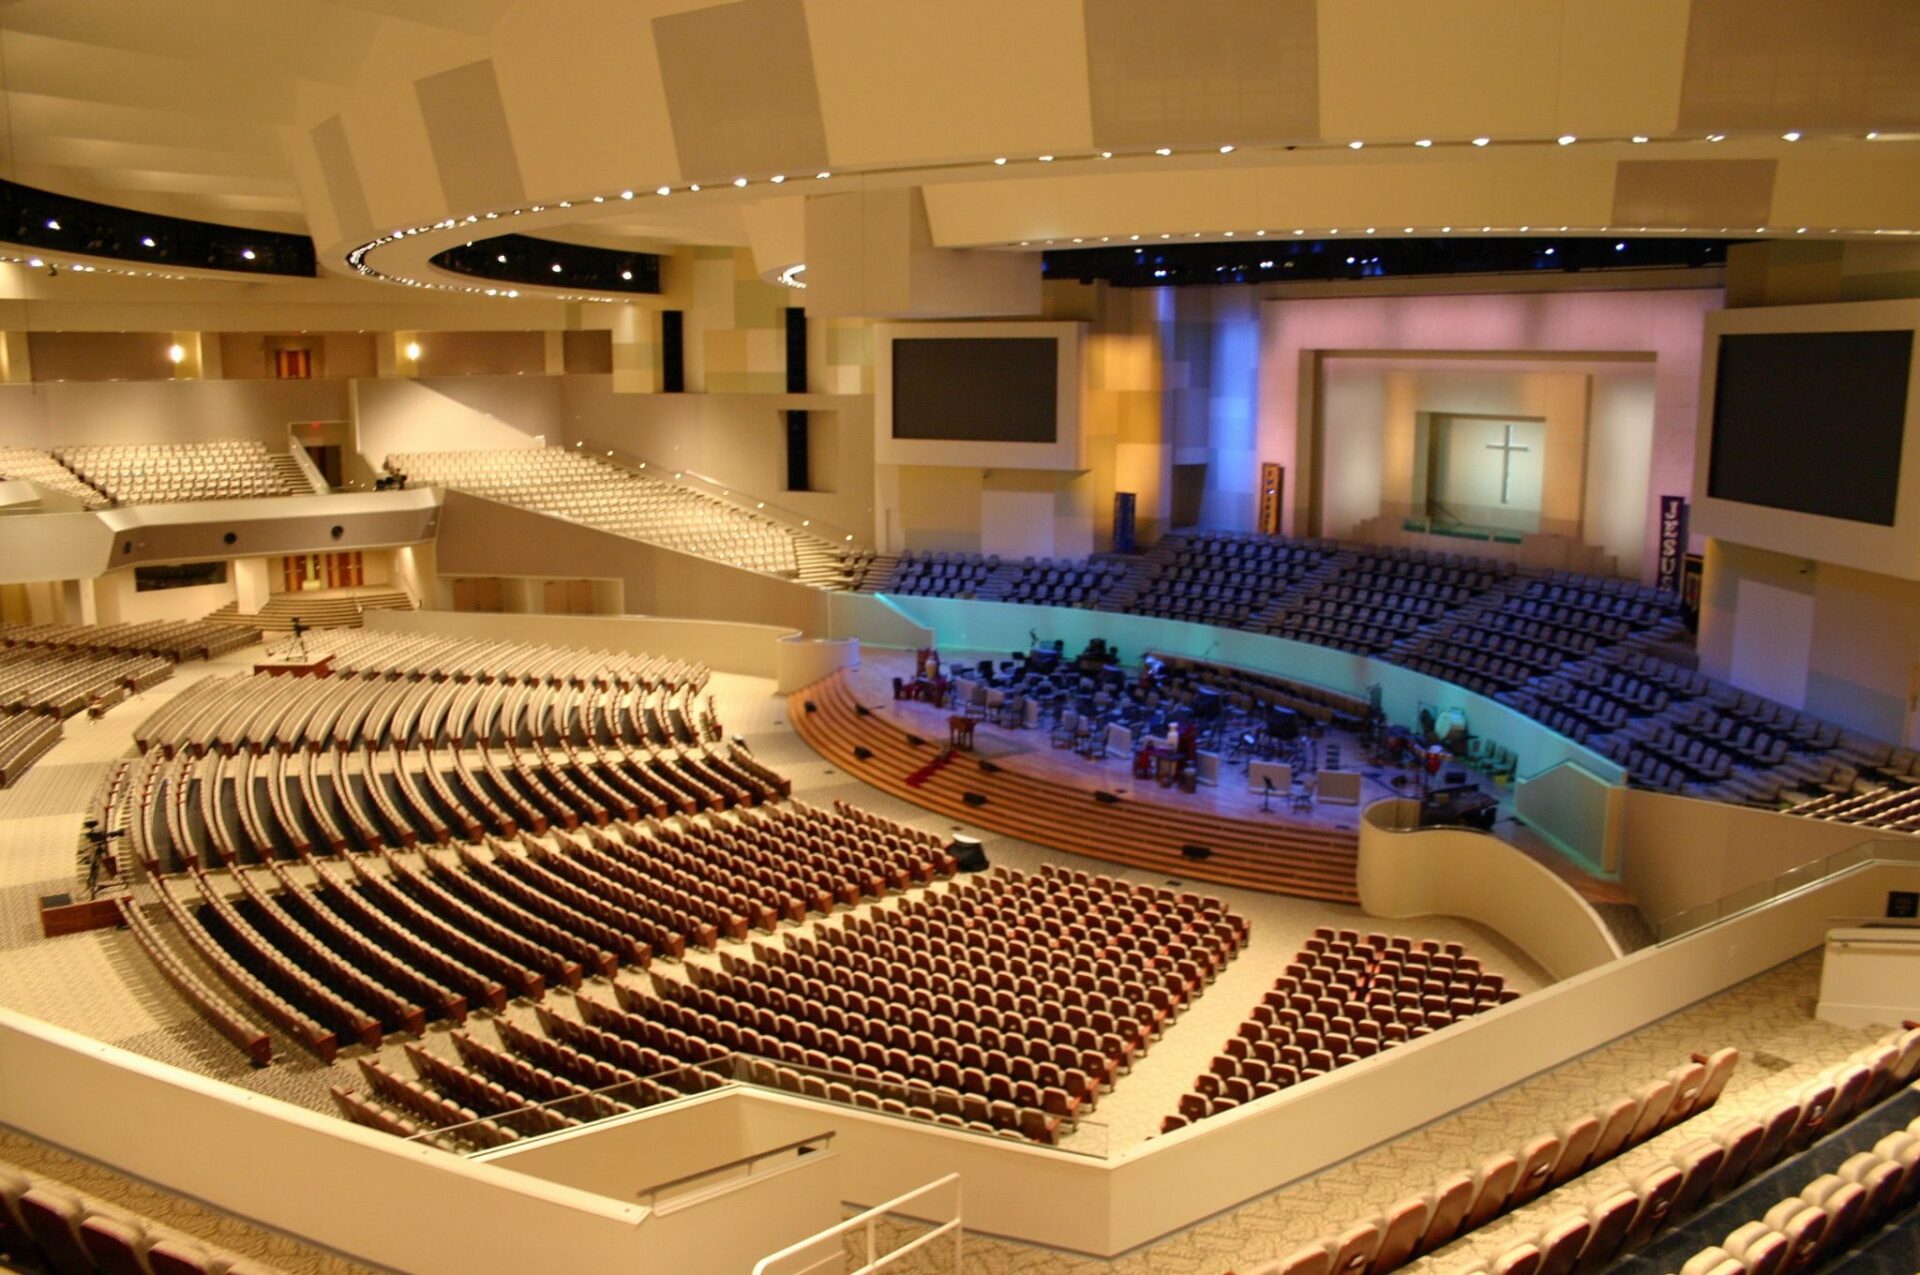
1123, 522
1673, 542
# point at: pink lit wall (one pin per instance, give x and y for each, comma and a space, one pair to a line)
1667, 324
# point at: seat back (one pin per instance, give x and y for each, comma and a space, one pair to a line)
1562, 1242
1612, 1218
1616, 1126
1656, 1192
1577, 1141
1493, 1189
1449, 1202
1538, 1156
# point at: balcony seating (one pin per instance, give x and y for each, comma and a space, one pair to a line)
1462, 1202
628, 502
46, 1225
160, 473
40, 467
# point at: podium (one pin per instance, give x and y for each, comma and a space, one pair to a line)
312, 664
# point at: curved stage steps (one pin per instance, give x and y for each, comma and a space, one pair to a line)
1276, 856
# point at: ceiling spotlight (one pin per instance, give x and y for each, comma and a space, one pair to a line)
599, 199
1620, 247
1001, 161
1109, 154
627, 275
413, 349
1446, 230
1566, 139
1046, 159
501, 258
694, 189
1354, 146
1134, 238
1481, 141
1638, 139
1873, 136
1226, 150
820, 177
1790, 137
664, 190
777, 178
53, 223
1716, 137
556, 267
1423, 142
1299, 232
176, 354
35, 262
247, 253
739, 181
626, 194
146, 241
1163, 151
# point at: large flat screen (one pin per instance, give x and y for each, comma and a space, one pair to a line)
1811, 422
976, 389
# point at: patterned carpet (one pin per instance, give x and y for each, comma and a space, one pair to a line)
101, 984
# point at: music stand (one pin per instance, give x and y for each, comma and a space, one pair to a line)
100, 861
296, 645
1266, 795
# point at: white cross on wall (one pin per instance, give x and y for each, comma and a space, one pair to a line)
1506, 447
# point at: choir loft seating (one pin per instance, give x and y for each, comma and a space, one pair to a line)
47, 1225
1310, 862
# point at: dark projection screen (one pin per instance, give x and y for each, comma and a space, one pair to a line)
976, 389
1811, 422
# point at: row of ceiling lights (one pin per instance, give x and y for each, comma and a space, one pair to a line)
357, 258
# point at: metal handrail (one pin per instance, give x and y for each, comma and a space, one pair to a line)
1862, 854
865, 1221
652, 1193
791, 519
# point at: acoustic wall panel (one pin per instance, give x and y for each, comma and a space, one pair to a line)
741, 90
1202, 72
467, 131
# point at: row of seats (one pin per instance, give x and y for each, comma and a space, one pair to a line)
24, 739
36, 466
158, 473
595, 491
46, 1225
1344, 997
59, 683
1789, 1190
174, 640
1465, 1201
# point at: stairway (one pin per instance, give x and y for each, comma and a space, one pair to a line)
1141, 570
879, 573
821, 565
291, 474
331, 609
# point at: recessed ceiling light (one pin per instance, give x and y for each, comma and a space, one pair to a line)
664, 190
1354, 146
739, 181
1046, 159
147, 241
1638, 139
501, 258
777, 178
626, 194
1566, 139
1481, 141
1001, 161
694, 189
820, 177
627, 275
53, 223
247, 253
1298, 231
1716, 137
556, 267
1226, 150
1106, 154
1164, 151
1423, 142
1134, 238
1790, 137
1872, 136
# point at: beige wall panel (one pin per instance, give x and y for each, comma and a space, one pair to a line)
467, 131
903, 81
1827, 186
1565, 188
740, 88
1401, 69
344, 192
385, 128
1693, 192
553, 82
1187, 72
1620, 63
1786, 64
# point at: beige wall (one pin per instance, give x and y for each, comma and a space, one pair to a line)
44, 415
1407, 871
481, 538
1860, 665
116, 601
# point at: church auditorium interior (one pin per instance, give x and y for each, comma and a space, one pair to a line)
1166, 637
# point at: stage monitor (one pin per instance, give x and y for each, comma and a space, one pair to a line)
1809, 433
1811, 421
986, 395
